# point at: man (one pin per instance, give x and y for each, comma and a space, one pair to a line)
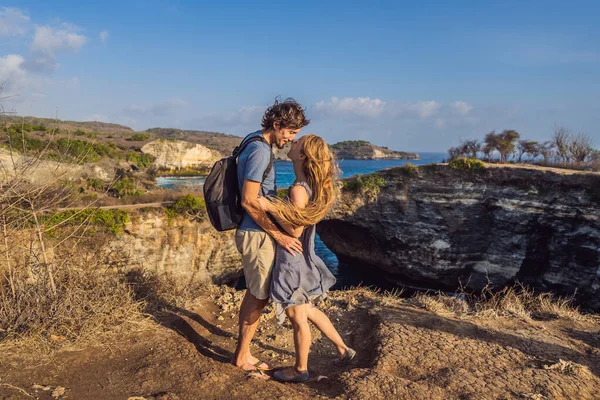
257, 234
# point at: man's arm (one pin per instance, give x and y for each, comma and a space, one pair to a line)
299, 198
252, 206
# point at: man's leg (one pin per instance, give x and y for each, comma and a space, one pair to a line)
250, 312
258, 254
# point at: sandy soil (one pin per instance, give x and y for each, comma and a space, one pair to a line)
404, 352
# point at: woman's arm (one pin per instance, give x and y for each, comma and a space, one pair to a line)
299, 198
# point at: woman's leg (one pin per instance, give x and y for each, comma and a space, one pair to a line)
323, 323
298, 317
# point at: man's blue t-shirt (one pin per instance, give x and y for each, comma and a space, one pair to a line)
252, 164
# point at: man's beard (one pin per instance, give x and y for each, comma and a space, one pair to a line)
280, 146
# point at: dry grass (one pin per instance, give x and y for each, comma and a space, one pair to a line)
58, 285
514, 301
88, 303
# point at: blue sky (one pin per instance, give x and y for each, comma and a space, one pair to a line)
411, 76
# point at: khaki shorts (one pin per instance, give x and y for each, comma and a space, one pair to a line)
258, 256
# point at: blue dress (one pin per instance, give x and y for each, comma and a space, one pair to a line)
302, 278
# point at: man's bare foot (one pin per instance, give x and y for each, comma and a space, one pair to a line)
250, 364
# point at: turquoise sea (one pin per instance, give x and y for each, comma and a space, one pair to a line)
346, 275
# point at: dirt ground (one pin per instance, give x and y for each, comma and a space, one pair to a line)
404, 352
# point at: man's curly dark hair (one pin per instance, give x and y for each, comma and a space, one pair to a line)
288, 113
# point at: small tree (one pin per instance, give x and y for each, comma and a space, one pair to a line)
471, 147
580, 147
595, 160
506, 143
561, 140
453, 153
527, 147
546, 150
490, 144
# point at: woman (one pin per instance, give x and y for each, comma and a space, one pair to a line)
300, 280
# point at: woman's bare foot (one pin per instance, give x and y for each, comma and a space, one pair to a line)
291, 374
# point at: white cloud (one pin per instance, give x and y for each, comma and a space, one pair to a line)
425, 109
365, 107
12, 73
49, 41
103, 36
13, 22
362, 106
461, 107
162, 109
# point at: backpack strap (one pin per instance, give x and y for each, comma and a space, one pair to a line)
245, 142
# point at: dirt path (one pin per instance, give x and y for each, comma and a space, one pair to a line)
404, 352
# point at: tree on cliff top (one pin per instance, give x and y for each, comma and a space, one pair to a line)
503, 142
527, 147
467, 148
561, 140
581, 149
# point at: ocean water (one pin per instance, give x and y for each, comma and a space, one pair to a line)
346, 275
175, 182
349, 275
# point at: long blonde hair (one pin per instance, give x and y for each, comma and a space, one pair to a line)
321, 172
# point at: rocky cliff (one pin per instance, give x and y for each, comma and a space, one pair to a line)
439, 228
362, 150
34, 170
178, 154
186, 249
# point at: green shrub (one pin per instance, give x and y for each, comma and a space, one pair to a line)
23, 143
112, 220
125, 187
282, 193
409, 170
139, 159
466, 164
366, 185
188, 205
95, 184
138, 137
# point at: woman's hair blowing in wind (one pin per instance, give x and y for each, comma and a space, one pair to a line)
321, 174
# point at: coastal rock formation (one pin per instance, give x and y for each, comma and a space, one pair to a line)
186, 249
178, 154
439, 228
362, 150
34, 170
355, 150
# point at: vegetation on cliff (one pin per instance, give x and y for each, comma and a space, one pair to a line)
564, 149
368, 186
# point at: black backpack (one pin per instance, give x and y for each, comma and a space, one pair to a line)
221, 190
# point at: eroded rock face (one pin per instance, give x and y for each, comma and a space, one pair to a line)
178, 154
186, 249
36, 171
441, 229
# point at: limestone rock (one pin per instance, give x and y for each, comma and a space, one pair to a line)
441, 229
178, 154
